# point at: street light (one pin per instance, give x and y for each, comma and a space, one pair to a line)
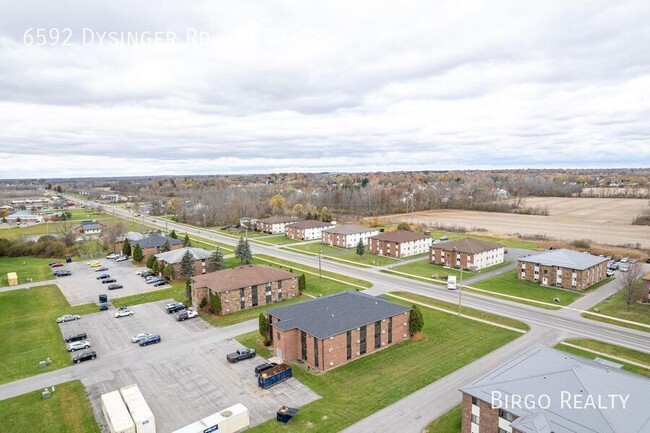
320, 270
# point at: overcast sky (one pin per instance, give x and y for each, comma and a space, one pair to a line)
243, 87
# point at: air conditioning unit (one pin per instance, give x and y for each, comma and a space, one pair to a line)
331, 350
358, 353
358, 341
331, 363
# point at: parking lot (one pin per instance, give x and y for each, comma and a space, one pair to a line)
183, 378
83, 287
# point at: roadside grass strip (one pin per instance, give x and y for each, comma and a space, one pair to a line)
607, 355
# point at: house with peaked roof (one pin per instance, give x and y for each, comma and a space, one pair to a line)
467, 253
275, 225
330, 331
307, 230
200, 257
89, 228
152, 245
563, 268
400, 243
564, 394
245, 287
348, 235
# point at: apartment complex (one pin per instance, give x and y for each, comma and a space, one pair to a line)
563, 268
348, 235
275, 225
152, 245
200, 257
401, 243
467, 253
307, 230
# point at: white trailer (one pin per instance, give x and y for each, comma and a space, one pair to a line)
139, 409
116, 414
451, 282
230, 420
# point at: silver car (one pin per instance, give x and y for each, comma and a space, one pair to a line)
139, 337
68, 318
78, 345
123, 312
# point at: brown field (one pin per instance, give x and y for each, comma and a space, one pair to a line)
605, 221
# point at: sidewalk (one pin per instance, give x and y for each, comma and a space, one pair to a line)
27, 285
594, 297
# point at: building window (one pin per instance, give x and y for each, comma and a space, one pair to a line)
349, 344
362, 340
254, 295
268, 296
475, 401
315, 351
475, 419
377, 334
502, 430
506, 415
278, 334
242, 299
390, 330
303, 345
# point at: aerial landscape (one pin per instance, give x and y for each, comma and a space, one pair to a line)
420, 217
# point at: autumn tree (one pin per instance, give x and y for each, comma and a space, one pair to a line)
297, 210
403, 226
277, 203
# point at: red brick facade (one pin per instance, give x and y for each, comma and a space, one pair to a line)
199, 267
488, 418
548, 275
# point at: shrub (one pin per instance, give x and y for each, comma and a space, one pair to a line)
583, 244
203, 303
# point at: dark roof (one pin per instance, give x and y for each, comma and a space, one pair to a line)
309, 224
400, 236
156, 241
350, 229
331, 315
540, 370
565, 259
241, 276
90, 225
468, 245
278, 219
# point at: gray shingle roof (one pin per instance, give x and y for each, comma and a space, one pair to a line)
540, 370
565, 259
328, 316
350, 229
468, 245
400, 236
155, 241
309, 224
175, 256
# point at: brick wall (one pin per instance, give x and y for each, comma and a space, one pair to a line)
295, 233
466, 414
231, 300
585, 278
489, 419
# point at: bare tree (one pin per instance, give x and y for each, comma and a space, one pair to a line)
629, 283
112, 233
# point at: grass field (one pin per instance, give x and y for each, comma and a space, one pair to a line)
27, 268
426, 270
67, 411
384, 377
236, 233
617, 307
620, 352
207, 243
350, 254
175, 292
507, 283
275, 240
30, 333
448, 423
80, 214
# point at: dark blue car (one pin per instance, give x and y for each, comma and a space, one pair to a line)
152, 339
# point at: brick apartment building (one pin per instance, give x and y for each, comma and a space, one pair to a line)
401, 243
245, 287
174, 258
548, 376
348, 235
275, 225
307, 230
467, 253
330, 331
563, 268
152, 245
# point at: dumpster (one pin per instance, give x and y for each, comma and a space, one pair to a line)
285, 414
103, 298
68, 259
273, 376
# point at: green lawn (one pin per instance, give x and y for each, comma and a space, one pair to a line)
616, 306
464, 310
275, 240
79, 214
237, 233
507, 283
30, 333
508, 243
58, 227
175, 292
27, 268
248, 314
349, 254
67, 411
207, 243
448, 423
620, 352
427, 270
362, 387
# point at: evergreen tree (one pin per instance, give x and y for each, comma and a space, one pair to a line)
126, 248
216, 262
246, 253
187, 266
302, 283
361, 248
187, 242
416, 321
173, 235
239, 249
150, 261
168, 272
155, 268
166, 247
263, 325
137, 253
215, 303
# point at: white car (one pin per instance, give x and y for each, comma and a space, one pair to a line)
191, 314
137, 338
112, 256
624, 260
123, 312
68, 318
121, 259
78, 345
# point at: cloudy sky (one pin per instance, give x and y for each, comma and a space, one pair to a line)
209, 87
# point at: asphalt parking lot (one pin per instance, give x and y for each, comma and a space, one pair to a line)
184, 377
83, 287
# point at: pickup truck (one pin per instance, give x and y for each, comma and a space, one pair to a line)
240, 355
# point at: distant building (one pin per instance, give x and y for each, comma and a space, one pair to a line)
152, 245
248, 223
565, 394
330, 331
89, 228
174, 258
245, 287
24, 216
275, 225
563, 268
645, 294
467, 253
348, 235
401, 243
307, 230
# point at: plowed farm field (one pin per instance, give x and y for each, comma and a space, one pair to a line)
604, 221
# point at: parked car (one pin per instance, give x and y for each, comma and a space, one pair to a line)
263, 367
84, 356
159, 283
55, 264
632, 261
610, 272
151, 339
146, 274
122, 259
62, 273
108, 280
75, 337
112, 256
114, 286
68, 318
123, 312
103, 276
153, 280
175, 307
103, 268
240, 355
136, 338
95, 265
78, 345
141, 271
186, 314
151, 277
444, 238
614, 266
436, 241
625, 267
103, 306
624, 260
647, 260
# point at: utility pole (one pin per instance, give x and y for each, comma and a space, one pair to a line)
320, 269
